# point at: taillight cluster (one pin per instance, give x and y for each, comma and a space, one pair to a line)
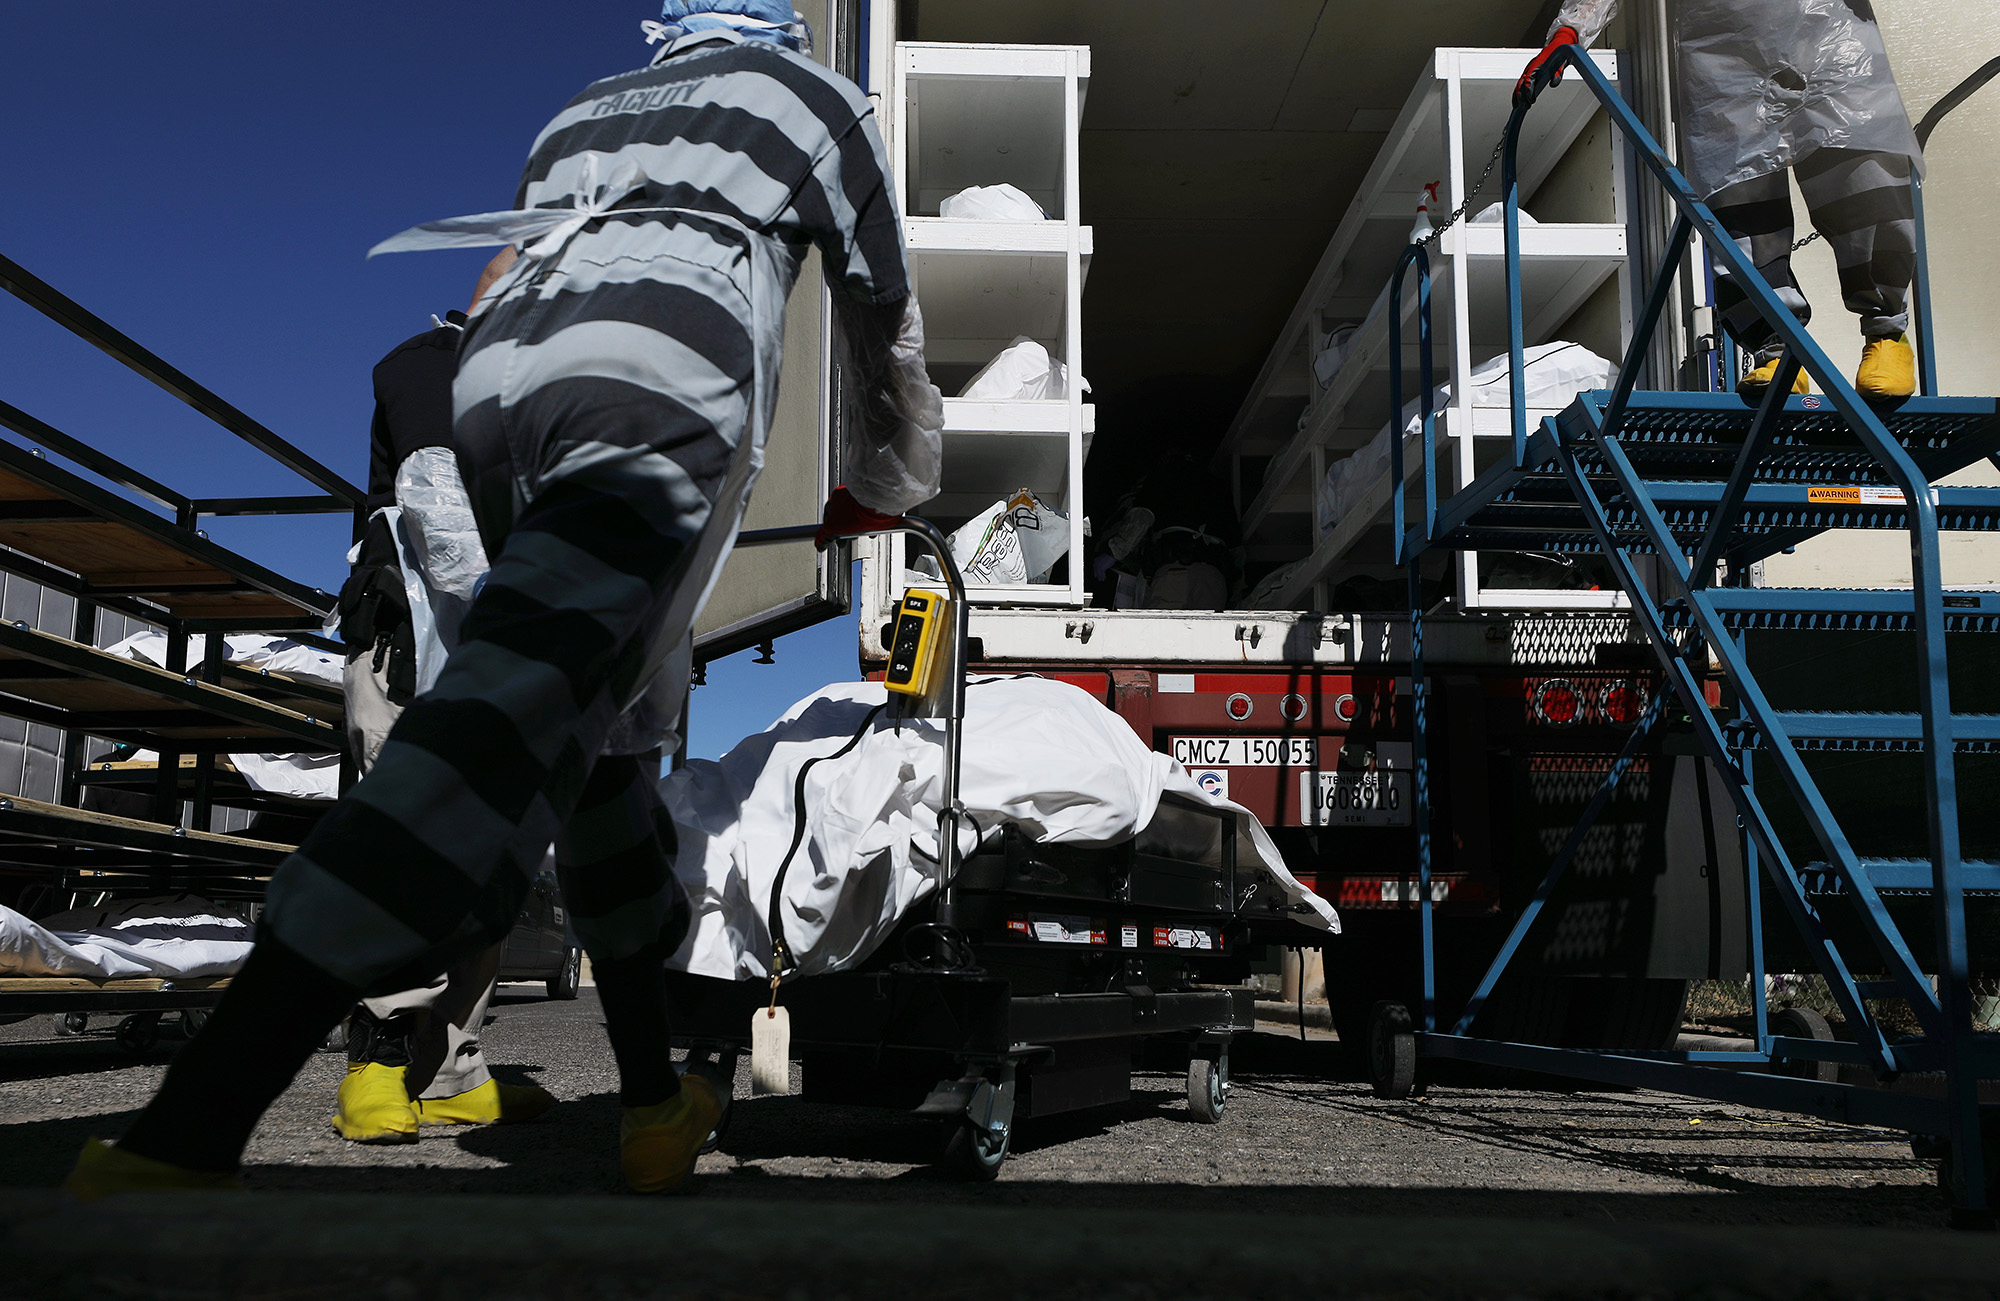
1559, 702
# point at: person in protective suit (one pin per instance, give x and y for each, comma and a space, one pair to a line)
1767, 85
612, 396
415, 1057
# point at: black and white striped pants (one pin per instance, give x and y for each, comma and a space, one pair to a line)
633, 452
1861, 202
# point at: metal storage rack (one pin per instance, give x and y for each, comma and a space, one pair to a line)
967, 115
1298, 427
67, 531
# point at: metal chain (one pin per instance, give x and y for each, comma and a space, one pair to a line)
1438, 230
1807, 240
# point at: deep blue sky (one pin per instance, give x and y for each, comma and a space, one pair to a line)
206, 177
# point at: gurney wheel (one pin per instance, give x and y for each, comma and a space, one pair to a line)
974, 1152
1207, 1089
192, 1020
1392, 1050
72, 1023
139, 1032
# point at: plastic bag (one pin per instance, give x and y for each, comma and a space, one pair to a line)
1327, 362
1017, 540
1493, 214
992, 203
1023, 372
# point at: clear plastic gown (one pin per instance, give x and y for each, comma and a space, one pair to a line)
1764, 83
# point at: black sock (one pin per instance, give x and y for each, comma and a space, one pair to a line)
634, 994
275, 1014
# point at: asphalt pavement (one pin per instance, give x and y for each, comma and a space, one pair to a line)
1301, 1142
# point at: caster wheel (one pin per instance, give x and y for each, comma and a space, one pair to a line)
192, 1020
1392, 1051
72, 1023
140, 1032
1804, 1023
974, 1152
1207, 1089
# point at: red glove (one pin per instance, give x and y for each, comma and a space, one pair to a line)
1524, 89
846, 517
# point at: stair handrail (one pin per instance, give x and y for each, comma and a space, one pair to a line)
1921, 290
1405, 548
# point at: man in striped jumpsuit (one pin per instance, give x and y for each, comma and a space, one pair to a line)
612, 398
1767, 85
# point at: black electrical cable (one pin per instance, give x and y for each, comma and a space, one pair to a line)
775, 921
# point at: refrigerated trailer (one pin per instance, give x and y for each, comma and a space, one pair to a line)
1503, 726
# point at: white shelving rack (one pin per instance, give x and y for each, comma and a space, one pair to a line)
1298, 426
964, 115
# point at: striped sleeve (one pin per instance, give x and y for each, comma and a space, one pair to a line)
860, 238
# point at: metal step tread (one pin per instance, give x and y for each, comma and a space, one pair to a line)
1903, 876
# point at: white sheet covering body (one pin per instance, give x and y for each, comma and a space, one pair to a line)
176, 936
1039, 754
304, 776
1553, 374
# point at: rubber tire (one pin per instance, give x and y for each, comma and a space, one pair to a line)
564, 984
139, 1032
1804, 1023
72, 1023
1392, 1051
192, 1020
970, 1154
1207, 1090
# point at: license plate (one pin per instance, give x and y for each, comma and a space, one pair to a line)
1381, 798
1246, 751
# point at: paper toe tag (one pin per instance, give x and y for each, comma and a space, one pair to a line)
770, 1051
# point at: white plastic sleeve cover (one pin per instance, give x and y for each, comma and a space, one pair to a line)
894, 451
1588, 17
446, 537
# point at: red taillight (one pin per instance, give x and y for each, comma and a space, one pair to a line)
1623, 703
1558, 702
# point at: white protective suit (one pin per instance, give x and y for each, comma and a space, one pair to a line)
1764, 83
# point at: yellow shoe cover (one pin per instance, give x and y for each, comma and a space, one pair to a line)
374, 1107
658, 1145
1751, 387
1888, 368
102, 1170
491, 1102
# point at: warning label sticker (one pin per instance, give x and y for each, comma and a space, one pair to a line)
1066, 930
1854, 495
1178, 937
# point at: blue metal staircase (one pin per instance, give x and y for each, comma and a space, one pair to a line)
1680, 493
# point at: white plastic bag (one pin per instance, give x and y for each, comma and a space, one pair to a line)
1493, 214
1023, 372
992, 203
1017, 540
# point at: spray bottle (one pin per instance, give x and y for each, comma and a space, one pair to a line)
1422, 230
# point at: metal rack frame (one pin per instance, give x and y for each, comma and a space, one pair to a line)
219, 592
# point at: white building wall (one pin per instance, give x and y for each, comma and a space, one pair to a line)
1933, 45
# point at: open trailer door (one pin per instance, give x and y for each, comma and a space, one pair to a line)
765, 592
